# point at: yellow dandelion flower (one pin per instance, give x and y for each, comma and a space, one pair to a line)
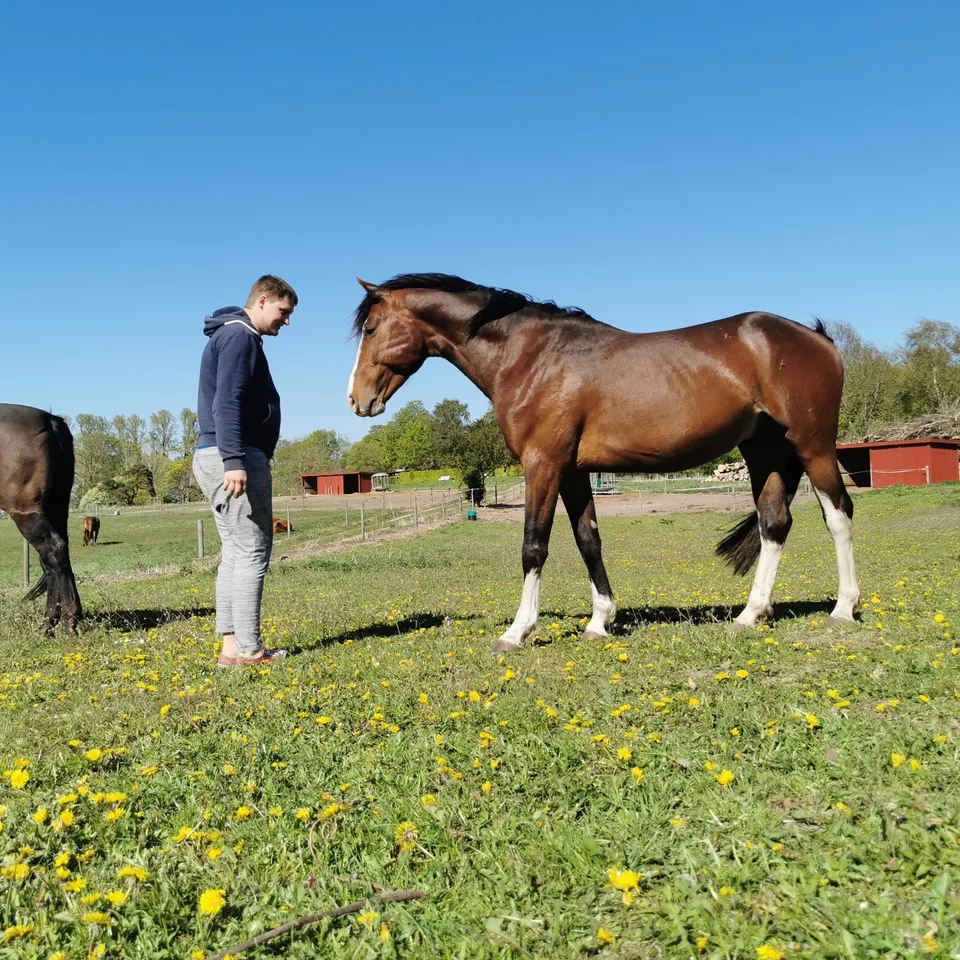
637, 774
133, 873
702, 944
97, 917
17, 931
677, 822
212, 902
93, 755
605, 936
66, 818
117, 897
303, 814
743, 674
384, 931
366, 918
331, 811
897, 759
18, 778
406, 836
428, 799
624, 753
768, 952
725, 778
243, 813
41, 816
15, 871
487, 786
915, 764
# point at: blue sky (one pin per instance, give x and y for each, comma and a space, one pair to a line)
656, 164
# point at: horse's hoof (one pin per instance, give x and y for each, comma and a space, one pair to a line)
593, 635
839, 623
736, 627
505, 646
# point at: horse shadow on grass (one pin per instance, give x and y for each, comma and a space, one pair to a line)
383, 628
130, 620
630, 618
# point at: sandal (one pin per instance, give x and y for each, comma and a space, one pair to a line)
263, 655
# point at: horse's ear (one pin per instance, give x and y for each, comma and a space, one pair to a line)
371, 288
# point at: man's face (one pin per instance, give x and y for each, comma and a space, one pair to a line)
274, 314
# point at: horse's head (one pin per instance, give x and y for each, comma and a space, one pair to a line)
392, 348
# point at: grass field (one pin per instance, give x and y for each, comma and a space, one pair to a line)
677, 792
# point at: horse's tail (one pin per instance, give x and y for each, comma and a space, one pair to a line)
820, 327
741, 546
38, 589
63, 464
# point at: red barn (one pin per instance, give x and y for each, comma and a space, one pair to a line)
336, 483
910, 462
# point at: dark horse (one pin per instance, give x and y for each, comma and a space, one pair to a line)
36, 479
573, 395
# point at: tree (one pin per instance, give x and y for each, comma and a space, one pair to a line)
448, 428
319, 452
931, 360
368, 454
97, 451
484, 451
189, 432
409, 436
162, 434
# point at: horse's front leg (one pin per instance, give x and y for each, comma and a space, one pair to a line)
543, 485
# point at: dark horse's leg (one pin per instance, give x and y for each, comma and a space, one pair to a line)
578, 499
775, 472
62, 598
542, 483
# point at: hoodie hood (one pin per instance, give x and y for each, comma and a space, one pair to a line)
218, 318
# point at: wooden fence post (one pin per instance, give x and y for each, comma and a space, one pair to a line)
200, 538
363, 524
289, 528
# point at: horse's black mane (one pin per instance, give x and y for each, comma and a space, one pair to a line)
499, 303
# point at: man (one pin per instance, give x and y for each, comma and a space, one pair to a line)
239, 420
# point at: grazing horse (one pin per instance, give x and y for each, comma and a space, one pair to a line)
91, 530
36, 480
281, 526
573, 395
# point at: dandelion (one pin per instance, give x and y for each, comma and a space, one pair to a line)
702, 944
915, 764
93, 755
406, 836
133, 873
243, 813
605, 936
487, 786
384, 931
768, 952
15, 871
897, 759
41, 816
17, 931
18, 778
727, 891
626, 881
66, 818
624, 753
637, 774
117, 897
743, 674
812, 721
677, 822
303, 814
97, 918
725, 778
212, 902
428, 799
365, 919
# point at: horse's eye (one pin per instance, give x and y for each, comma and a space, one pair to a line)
369, 331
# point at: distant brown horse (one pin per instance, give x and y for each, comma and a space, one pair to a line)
36, 480
91, 530
281, 526
573, 395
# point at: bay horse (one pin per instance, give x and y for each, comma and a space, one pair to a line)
36, 480
574, 395
91, 530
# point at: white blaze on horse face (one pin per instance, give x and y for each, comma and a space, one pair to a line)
762, 590
604, 611
353, 373
841, 529
525, 622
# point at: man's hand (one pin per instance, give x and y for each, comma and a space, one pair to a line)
235, 482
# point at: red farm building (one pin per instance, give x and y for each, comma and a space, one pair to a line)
336, 483
910, 462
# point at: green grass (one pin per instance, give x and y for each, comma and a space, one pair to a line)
821, 846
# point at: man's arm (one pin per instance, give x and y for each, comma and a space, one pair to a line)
235, 362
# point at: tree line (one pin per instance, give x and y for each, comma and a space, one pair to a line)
130, 460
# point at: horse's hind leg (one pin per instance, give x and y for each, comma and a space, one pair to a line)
578, 500
837, 509
62, 598
775, 473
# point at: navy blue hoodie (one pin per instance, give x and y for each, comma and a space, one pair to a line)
238, 404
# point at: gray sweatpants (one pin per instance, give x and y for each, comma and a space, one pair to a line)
245, 525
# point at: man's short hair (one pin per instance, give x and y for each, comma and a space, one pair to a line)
274, 288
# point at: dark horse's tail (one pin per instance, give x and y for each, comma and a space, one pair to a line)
741, 546
62, 465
